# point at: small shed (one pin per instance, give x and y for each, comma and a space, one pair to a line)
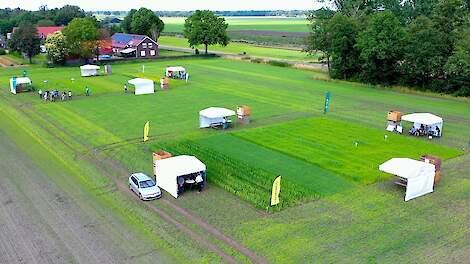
142, 86
416, 176
18, 85
214, 116
425, 124
89, 70
172, 173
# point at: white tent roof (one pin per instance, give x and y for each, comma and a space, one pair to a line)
176, 69
405, 168
423, 118
216, 112
89, 67
180, 165
128, 50
140, 81
22, 80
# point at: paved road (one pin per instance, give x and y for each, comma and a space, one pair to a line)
40, 223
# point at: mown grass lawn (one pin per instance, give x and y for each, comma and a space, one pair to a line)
244, 49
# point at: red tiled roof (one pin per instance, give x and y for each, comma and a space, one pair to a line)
44, 32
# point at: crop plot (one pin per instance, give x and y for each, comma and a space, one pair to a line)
331, 145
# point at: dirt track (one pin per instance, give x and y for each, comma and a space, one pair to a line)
39, 223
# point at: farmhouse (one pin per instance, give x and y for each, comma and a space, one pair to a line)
44, 32
131, 45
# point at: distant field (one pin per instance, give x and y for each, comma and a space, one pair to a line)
240, 48
280, 24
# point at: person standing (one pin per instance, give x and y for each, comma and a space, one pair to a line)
87, 91
40, 93
70, 95
125, 88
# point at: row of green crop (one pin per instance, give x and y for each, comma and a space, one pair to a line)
247, 182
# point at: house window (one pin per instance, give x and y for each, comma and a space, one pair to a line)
144, 45
150, 45
142, 53
152, 52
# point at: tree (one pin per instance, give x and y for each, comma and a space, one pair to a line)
448, 16
56, 46
424, 55
343, 31
146, 22
67, 13
126, 23
458, 65
381, 46
204, 27
82, 35
45, 23
319, 38
25, 40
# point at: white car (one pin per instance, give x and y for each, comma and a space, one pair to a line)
144, 186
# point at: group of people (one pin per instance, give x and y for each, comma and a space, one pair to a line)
425, 131
193, 180
55, 95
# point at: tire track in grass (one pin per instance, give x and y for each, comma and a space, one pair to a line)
98, 159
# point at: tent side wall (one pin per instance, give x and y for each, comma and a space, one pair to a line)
88, 72
420, 185
147, 88
167, 181
12, 86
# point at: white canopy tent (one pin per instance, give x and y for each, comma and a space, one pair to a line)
419, 175
168, 170
434, 122
14, 82
214, 115
89, 70
127, 51
174, 69
143, 86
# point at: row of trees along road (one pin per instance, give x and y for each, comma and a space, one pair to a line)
418, 43
79, 39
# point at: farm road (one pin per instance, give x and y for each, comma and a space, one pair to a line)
40, 222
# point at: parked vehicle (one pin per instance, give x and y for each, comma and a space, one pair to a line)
144, 186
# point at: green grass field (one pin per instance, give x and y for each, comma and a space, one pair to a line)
337, 206
281, 24
242, 48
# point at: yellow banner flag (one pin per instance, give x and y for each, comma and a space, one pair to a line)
146, 131
276, 191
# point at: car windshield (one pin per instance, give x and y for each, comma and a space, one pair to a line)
147, 184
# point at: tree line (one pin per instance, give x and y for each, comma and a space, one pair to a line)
419, 43
83, 36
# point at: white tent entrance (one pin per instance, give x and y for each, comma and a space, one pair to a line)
425, 124
18, 85
416, 176
143, 86
214, 117
89, 70
177, 174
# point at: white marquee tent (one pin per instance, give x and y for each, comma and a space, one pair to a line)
213, 115
89, 70
425, 119
174, 69
419, 175
143, 86
14, 82
168, 170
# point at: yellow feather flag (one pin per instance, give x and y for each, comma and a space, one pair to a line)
146, 131
276, 191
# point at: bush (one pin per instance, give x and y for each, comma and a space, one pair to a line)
2, 52
279, 63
